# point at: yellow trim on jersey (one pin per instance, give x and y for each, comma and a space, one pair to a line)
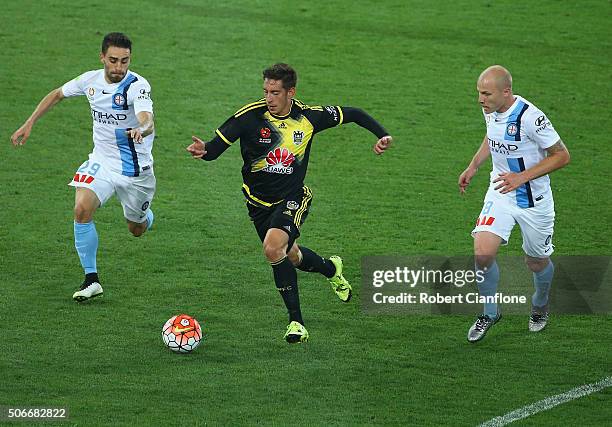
218, 132
262, 102
319, 108
257, 104
287, 138
308, 107
261, 202
303, 206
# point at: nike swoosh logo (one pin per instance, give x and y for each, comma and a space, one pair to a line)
181, 330
105, 92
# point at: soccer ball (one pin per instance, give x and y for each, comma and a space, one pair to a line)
182, 333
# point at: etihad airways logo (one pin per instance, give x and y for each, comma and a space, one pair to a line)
279, 161
501, 147
101, 115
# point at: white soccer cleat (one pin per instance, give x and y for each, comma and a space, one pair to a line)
88, 291
538, 319
480, 327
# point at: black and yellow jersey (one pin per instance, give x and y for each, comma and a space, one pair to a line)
275, 149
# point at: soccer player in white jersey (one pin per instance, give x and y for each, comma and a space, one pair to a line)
121, 162
524, 148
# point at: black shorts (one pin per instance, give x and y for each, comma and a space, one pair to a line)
287, 215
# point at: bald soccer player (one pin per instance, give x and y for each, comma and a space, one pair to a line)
524, 148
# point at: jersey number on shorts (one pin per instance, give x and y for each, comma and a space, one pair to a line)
483, 219
85, 175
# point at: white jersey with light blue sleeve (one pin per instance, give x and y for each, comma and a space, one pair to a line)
114, 107
518, 139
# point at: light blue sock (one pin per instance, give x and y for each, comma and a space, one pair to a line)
86, 244
150, 218
488, 287
541, 282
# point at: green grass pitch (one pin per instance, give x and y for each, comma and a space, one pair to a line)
412, 65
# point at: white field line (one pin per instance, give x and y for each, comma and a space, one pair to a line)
549, 402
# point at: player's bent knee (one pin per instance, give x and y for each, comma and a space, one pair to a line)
137, 230
486, 245
483, 261
295, 256
536, 264
82, 213
273, 252
85, 204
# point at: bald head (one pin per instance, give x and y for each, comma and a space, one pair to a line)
495, 89
498, 75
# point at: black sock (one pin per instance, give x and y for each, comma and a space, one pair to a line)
312, 262
285, 278
91, 278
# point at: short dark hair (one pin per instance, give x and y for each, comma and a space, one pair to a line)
117, 40
282, 72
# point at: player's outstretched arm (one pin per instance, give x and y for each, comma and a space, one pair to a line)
198, 148
363, 119
207, 150
382, 144
22, 134
558, 156
145, 128
481, 155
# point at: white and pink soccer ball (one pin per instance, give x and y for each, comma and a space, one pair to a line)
182, 333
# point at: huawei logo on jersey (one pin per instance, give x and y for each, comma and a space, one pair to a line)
277, 156
279, 161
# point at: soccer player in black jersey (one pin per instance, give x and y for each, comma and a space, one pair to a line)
276, 135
